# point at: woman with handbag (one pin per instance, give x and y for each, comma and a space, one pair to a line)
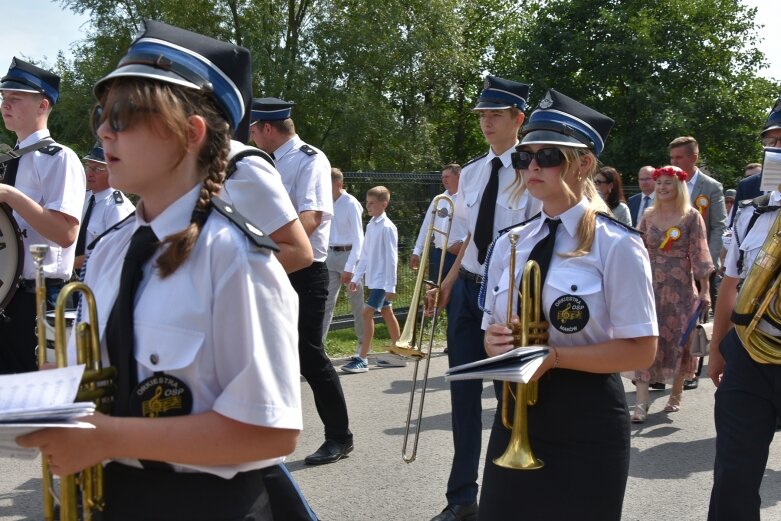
674, 234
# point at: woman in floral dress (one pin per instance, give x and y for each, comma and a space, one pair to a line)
674, 234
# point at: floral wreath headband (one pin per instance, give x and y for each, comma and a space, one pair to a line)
671, 171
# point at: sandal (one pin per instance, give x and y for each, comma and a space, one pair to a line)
641, 412
673, 404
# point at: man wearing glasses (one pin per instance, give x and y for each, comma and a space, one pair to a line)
43, 183
639, 203
103, 206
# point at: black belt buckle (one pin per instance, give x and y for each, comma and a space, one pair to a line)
469, 276
342, 248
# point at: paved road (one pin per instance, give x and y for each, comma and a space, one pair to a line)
669, 479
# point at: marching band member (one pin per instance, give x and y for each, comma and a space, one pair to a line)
748, 399
598, 300
205, 347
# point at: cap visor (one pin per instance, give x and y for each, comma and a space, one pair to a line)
764, 130
489, 105
18, 87
137, 70
91, 158
549, 137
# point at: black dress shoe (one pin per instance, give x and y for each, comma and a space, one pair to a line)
659, 386
457, 513
329, 452
688, 385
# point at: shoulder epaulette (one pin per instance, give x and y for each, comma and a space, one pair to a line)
761, 201
254, 234
51, 150
117, 226
118, 198
621, 224
474, 159
505, 230
745, 202
306, 149
247, 152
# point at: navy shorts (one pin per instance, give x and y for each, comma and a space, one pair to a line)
377, 300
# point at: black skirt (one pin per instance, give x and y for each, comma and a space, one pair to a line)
580, 429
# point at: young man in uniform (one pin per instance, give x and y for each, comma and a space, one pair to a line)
306, 174
44, 186
748, 398
490, 201
103, 207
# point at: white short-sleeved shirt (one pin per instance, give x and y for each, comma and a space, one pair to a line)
379, 255
306, 174
54, 178
256, 189
111, 206
457, 226
225, 322
509, 210
749, 243
604, 295
347, 228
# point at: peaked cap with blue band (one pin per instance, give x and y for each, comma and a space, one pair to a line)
773, 119
169, 54
499, 93
26, 77
96, 154
561, 120
270, 109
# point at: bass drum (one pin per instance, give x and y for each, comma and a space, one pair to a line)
11, 256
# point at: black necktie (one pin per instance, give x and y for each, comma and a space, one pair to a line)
9, 170
80, 242
646, 202
543, 251
484, 228
120, 337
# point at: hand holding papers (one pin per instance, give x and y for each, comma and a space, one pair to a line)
37, 400
518, 365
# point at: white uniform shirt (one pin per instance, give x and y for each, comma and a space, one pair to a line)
752, 242
457, 227
106, 212
601, 296
347, 227
225, 323
256, 189
307, 179
379, 255
56, 182
509, 210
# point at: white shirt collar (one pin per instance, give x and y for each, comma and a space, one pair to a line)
505, 156
570, 218
175, 218
285, 147
34, 137
378, 218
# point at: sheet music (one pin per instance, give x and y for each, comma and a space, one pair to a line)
518, 365
771, 170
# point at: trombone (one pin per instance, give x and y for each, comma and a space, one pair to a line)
411, 343
95, 386
532, 330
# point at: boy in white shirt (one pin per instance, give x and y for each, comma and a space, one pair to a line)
378, 262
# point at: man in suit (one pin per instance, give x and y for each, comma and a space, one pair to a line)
707, 196
748, 187
639, 203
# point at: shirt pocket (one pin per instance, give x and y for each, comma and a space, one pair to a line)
164, 348
572, 298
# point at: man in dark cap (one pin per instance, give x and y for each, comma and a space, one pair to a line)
43, 183
103, 206
748, 398
306, 174
490, 200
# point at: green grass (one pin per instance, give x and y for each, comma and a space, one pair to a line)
341, 342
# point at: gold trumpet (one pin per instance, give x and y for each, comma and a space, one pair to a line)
96, 385
532, 330
411, 343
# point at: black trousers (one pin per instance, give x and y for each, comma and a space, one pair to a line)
748, 402
311, 284
18, 341
134, 494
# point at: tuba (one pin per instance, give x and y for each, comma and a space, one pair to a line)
758, 299
411, 343
96, 385
532, 330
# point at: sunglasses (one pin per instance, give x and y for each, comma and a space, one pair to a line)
120, 117
545, 157
600, 182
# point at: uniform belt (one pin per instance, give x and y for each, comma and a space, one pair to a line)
342, 248
469, 276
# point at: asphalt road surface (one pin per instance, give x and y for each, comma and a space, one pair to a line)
669, 478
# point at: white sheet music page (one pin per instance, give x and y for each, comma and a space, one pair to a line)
771, 170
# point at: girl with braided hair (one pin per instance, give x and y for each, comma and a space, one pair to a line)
189, 300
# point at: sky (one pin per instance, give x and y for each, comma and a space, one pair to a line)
41, 29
